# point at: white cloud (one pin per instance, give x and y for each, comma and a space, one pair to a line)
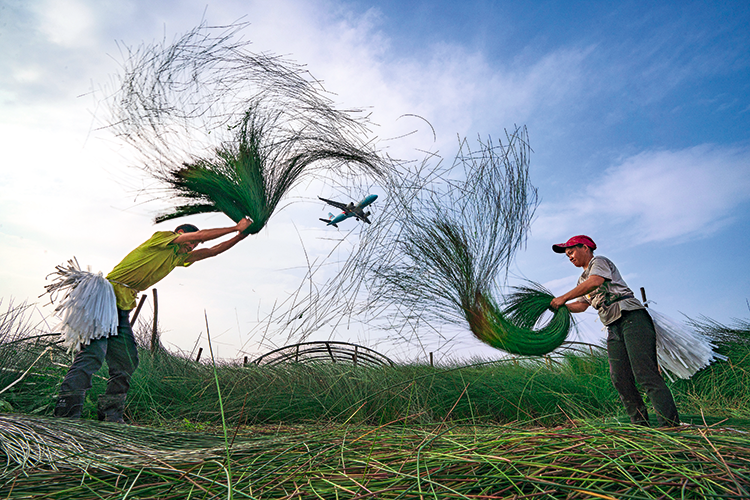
658, 196
69, 23
458, 90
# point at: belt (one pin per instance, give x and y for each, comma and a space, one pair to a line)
618, 299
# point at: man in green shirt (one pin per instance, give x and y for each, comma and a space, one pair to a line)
139, 270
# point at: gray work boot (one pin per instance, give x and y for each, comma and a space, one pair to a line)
111, 407
69, 404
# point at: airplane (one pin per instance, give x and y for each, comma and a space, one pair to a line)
349, 210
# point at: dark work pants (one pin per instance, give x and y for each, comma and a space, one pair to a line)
631, 345
121, 355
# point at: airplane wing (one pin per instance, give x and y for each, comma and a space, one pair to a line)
340, 206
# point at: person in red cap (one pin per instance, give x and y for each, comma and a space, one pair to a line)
631, 341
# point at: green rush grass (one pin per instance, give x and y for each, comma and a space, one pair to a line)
168, 388
549, 390
527, 427
250, 175
514, 328
88, 460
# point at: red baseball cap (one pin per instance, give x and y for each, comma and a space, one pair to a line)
575, 240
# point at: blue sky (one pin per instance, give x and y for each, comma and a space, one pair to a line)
638, 114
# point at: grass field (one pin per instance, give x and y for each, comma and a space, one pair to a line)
524, 428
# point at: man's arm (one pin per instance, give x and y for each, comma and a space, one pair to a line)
204, 253
211, 234
592, 283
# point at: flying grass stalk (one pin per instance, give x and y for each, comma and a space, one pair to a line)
440, 247
455, 242
227, 130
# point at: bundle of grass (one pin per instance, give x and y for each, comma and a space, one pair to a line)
682, 350
251, 174
86, 304
455, 241
514, 328
226, 130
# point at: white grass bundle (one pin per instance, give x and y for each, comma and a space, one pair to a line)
681, 350
88, 308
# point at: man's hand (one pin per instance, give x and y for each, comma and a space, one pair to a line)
574, 306
243, 224
204, 253
557, 302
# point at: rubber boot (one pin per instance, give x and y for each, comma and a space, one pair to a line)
111, 407
69, 404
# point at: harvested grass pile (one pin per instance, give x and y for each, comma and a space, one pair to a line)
578, 461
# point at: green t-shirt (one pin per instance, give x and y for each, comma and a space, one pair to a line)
145, 266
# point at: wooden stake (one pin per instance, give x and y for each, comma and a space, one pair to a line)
643, 294
154, 331
431, 363
198, 357
137, 310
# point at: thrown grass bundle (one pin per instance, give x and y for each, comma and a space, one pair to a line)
435, 255
251, 174
514, 328
227, 130
452, 243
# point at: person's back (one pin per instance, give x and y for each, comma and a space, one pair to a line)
143, 267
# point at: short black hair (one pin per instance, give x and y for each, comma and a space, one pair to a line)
186, 228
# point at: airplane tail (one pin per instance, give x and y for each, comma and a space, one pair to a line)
328, 220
